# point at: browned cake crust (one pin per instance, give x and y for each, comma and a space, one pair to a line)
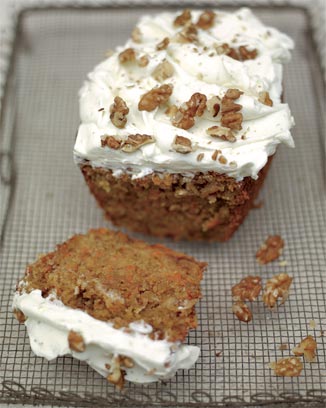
210, 206
115, 278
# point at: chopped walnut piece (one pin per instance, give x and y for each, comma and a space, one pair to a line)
264, 98
242, 311
128, 55
163, 44
19, 315
230, 116
222, 160
125, 361
118, 112
277, 287
306, 348
155, 97
200, 157
185, 116
117, 377
136, 35
270, 250
143, 61
182, 145
246, 54
163, 71
233, 93
222, 133
247, 289
287, 367
213, 106
206, 20
232, 120
111, 142
215, 154
183, 18
76, 342
134, 142
187, 35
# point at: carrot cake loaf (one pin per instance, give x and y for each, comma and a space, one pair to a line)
180, 124
121, 305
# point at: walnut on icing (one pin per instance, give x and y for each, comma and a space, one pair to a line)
206, 20
163, 44
221, 133
111, 142
183, 18
143, 61
118, 112
155, 97
127, 55
264, 98
231, 118
163, 71
241, 53
134, 142
185, 116
213, 105
187, 35
182, 145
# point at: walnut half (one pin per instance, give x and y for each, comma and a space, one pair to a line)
247, 289
242, 311
118, 112
155, 97
185, 115
275, 288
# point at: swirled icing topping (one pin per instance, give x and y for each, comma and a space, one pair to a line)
203, 89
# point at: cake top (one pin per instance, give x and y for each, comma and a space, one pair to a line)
190, 91
116, 279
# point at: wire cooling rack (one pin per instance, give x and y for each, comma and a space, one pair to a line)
44, 201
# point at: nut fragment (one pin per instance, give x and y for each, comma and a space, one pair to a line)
126, 361
187, 35
183, 18
118, 112
222, 159
246, 54
306, 348
134, 142
143, 61
231, 118
213, 106
241, 54
215, 154
76, 342
163, 71
200, 156
111, 142
242, 311
222, 133
270, 250
247, 289
19, 315
182, 145
287, 367
136, 35
264, 98
206, 20
185, 116
163, 44
117, 377
128, 55
155, 97
277, 287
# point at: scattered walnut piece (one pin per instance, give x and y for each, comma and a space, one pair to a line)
155, 97
19, 315
125, 361
136, 35
215, 154
182, 145
206, 20
128, 55
163, 71
231, 118
134, 142
111, 142
213, 105
277, 287
187, 35
183, 18
306, 348
118, 112
264, 98
270, 250
163, 45
143, 61
76, 342
222, 159
247, 289
287, 367
242, 311
200, 157
185, 116
117, 377
241, 54
222, 133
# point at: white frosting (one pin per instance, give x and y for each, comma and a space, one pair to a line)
49, 322
197, 68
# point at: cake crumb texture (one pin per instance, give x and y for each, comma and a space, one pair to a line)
118, 279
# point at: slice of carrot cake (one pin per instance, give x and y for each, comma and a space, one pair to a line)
121, 305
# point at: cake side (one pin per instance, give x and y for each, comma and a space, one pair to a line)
208, 206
